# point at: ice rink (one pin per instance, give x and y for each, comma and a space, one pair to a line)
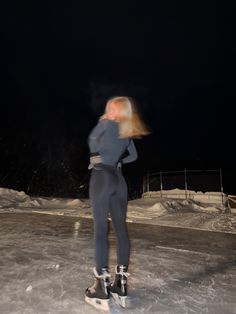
46, 264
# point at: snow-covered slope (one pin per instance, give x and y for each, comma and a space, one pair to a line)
14, 199
176, 212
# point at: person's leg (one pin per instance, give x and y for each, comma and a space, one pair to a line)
102, 185
118, 210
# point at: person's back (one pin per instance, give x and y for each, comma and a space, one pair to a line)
104, 141
111, 145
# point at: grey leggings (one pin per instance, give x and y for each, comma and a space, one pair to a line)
108, 194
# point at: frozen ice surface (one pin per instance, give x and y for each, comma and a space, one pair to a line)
46, 264
46, 261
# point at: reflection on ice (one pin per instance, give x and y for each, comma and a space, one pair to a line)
46, 264
76, 229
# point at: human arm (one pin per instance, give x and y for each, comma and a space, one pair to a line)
132, 153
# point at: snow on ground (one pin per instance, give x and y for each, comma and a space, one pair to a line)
167, 211
14, 199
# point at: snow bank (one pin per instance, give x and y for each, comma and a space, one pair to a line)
14, 199
164, 211
157, 206
181, 213
153, 205
207, 197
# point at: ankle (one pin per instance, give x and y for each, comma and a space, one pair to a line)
122, 268
102, 271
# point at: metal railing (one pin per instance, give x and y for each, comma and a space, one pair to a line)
205, 181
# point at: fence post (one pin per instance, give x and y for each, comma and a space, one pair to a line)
186, 184
161, 182
221, 189
143, 185
148, 184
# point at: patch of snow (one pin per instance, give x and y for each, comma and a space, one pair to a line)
11, 198
207, 197
165, 211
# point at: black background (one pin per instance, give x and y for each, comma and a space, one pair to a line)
60, 61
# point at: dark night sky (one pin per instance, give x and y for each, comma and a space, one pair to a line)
60, 61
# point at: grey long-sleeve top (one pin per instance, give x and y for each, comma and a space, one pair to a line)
104, 140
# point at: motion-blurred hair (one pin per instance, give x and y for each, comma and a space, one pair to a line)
128, 117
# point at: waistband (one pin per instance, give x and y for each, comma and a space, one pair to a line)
96, 163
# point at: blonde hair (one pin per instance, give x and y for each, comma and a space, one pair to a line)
127, 116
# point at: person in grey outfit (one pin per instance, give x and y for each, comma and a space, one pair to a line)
111, 146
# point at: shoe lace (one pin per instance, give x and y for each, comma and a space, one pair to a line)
122, 272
